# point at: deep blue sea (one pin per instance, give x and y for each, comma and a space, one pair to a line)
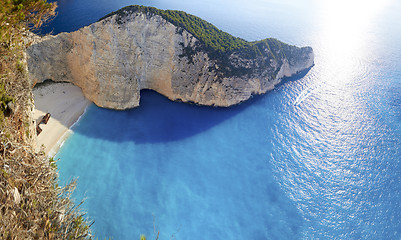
319, 157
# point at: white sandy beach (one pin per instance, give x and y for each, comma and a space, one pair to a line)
66, 103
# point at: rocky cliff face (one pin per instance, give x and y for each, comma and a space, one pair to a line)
113, 59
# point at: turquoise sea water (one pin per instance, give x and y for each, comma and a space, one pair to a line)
316, 158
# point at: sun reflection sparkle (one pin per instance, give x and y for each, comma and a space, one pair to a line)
342, 73
345, 28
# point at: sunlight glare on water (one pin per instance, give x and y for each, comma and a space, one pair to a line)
333, 129
346, 34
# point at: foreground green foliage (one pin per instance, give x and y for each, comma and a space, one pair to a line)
16, 15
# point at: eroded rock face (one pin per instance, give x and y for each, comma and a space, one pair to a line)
113, 59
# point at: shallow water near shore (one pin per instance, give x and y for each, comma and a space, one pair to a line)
317, 157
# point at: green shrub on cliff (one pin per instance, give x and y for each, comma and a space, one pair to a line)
5, 100
16, 15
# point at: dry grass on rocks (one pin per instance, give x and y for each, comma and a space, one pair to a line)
32, 205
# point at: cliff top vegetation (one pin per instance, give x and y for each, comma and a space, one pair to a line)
214, 39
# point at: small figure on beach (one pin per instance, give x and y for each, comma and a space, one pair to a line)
44, 120
38, 130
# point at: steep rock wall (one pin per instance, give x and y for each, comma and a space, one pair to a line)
113, 59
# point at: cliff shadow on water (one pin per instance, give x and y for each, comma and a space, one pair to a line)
157, 119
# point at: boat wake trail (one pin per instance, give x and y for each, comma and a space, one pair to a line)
304, 95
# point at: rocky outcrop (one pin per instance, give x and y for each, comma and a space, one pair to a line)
113, 59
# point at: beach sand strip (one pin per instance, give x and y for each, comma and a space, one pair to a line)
66, 103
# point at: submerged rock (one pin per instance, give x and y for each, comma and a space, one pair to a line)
145, 48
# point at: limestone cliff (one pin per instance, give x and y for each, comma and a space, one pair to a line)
116, 57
